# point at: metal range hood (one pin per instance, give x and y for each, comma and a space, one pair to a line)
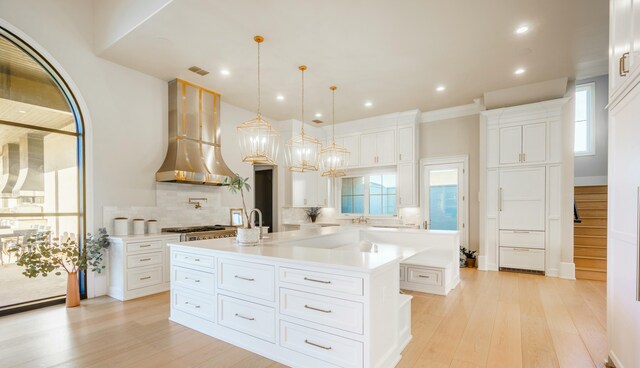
10, 168
30, 181
194, 155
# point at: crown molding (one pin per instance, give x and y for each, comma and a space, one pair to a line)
452, 112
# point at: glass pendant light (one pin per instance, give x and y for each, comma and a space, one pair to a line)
258, 140
334, 158
303, 151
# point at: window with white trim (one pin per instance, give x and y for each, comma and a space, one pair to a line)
585, 125
373, 194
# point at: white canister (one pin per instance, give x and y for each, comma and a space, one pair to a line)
152, 227
138, 226
120, 226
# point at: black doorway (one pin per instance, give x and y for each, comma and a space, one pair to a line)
264, 194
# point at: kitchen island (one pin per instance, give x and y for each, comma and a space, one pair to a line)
310, 298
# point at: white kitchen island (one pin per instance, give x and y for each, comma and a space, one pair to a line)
308, 298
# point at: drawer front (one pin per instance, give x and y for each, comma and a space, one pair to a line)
190, 259
403, 271
252, 279
144, 259
144, 246
139, 278
196, 305
321, 345
192, 279
424, 276
522, 239
522, 258
333, 312
253, 319
323, 281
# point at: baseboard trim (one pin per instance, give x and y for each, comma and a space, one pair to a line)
567, 270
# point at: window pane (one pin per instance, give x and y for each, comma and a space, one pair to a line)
375, 205
358, 204
583, 139
358, 185
347, 206
347, 186
581, 104
443, 206
375, 185
581, 136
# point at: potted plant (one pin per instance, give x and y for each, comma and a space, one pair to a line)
313, 213
43, 254
247, 234
470, 256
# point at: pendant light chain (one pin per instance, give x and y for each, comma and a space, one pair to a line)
333, 115
302, 68
259, 41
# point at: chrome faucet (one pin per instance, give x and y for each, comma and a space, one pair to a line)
259, 219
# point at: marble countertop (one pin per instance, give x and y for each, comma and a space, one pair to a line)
130, 237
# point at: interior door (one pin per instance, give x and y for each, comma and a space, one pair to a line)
534, 142
442, 198
510, 145
521, 198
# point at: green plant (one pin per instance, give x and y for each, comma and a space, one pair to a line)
240, 184
468, 253
43, 254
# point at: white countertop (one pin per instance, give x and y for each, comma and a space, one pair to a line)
131, 237
345, 256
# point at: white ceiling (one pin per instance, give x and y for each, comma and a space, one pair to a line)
393, 53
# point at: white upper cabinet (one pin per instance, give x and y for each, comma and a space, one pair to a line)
510, 145
352, 143
304, 189
407, 185
406, 144
624, 47
523, 144
368, 150
378, 148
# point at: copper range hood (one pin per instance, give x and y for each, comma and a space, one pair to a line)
194, 155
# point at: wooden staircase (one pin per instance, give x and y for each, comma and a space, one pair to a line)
590, 236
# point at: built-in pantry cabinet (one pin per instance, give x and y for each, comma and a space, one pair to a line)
624, 47
523, 143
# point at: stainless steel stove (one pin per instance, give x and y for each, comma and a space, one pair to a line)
202, 232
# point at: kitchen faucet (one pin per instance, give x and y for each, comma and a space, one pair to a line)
259, 219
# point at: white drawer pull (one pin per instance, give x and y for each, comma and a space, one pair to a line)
317, 345
194, 305
424, 276
145, 246
243, 317
318, 309
320, 281
520, 249
244, 278
189, 278
144, 259
145, 278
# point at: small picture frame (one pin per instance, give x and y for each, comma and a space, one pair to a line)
236, 216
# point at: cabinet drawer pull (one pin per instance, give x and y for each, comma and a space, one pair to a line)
244, 317
144, 259
189, 278
318, 309
520, 249
145, 278
425, 276
145, 246
244, 278
317, 345
194, 305
314, 280
521, 232
622, 67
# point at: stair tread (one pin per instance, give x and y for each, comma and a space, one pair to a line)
590, 236
590, 257
591, 269
593, 217
589, 226
590, 246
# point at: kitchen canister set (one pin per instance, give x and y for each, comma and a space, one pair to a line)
121, 226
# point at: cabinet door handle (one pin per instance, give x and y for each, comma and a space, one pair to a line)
244, 278
317, 345
315, 280
622, 67
245, 317
318, 309
500, 199
524, 157
401, 157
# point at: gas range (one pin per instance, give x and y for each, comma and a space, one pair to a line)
202, 232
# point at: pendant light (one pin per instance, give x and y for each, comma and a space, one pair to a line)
303, 151
258, 140
333, 158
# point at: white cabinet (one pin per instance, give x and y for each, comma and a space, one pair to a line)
522, 198
523, 144
378, 148
624, 47
139, 265
309, 189
406, 144
352, 144
407, 185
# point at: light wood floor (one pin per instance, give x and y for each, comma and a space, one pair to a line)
491, 320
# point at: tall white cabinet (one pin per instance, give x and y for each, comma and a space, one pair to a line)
522, 188
623, 247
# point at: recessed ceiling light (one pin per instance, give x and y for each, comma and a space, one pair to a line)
318, 115
22, 111
368, 104
280, 97
225, 72
522, 29
519, 71
440, 88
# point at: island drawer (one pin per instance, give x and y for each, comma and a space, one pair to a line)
199, 306
144, 246
330, 348
250, 318
324, 281
139, 278
333, 312
522, 239
196, 280
247, 278
425, 276
191, 259
144, 259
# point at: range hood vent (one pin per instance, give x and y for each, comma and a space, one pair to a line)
194, 154
31, 178
10, 168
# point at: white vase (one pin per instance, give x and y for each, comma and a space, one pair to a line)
248, 236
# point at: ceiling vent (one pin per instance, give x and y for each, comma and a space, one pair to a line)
317, 121
199, 70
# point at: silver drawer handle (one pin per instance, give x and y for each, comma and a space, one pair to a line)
145, 278
317, 345
243, 317
521, 232
145, 246
144, 259
243, 278
195, 305
424, 276
320, 281
318, 309
189, 278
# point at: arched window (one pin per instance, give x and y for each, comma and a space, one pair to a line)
41, 166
